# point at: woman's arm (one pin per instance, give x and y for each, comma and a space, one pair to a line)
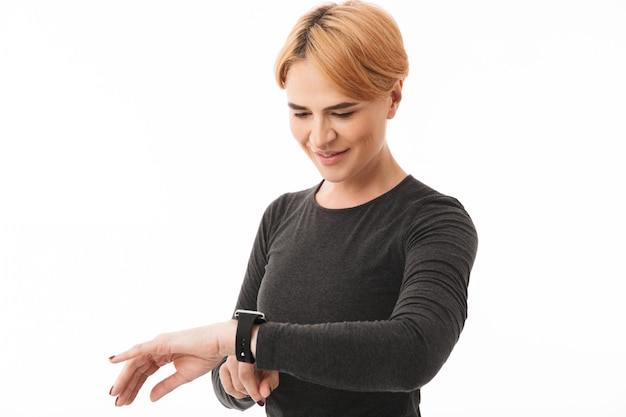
194, 352
405, 351
227, 379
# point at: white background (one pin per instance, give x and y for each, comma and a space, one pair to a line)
140, 142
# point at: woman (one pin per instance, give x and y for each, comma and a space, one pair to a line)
362, 279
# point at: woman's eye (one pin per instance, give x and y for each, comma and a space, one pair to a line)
300, 115
343, 115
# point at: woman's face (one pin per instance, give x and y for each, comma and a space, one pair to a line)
344, 137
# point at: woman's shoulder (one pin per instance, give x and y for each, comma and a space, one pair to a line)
412, 190
295, 197
426, 204
291, 200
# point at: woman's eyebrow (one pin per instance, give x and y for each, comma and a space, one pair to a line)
340, 106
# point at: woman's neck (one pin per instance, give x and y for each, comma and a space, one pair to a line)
366, 187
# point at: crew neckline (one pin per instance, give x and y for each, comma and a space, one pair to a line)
384, 195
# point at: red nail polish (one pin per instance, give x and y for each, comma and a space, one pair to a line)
111, 390
111, 357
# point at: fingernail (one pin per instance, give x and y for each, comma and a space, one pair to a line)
261, 403
111, 390
111, 357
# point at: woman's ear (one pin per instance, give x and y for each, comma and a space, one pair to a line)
396, 97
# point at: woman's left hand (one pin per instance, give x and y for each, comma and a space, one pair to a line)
193, 352
242, 380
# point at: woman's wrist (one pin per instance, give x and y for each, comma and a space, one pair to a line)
253, 339
228, 336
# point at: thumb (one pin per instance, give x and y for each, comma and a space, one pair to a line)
166, 386
268, 383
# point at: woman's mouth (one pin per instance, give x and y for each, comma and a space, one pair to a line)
330, 158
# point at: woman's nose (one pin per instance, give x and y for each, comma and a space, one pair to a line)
321, 134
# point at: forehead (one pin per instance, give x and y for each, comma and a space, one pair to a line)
307, 86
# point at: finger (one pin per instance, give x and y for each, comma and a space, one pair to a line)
132, 378
269, 382
229, 374
130, 371
128, 396
226, 381
126, 375
168, 385
248, 377
145, 348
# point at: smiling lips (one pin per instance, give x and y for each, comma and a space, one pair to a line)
330, 158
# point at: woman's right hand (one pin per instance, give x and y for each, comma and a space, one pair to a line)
241, 380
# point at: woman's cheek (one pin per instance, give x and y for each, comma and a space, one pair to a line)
299, 133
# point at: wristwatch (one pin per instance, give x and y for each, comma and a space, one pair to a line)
246, 320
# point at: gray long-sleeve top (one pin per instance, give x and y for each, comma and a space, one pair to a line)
364, 304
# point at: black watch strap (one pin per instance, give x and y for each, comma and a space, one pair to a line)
246, 319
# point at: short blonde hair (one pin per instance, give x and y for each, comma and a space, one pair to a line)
356, 45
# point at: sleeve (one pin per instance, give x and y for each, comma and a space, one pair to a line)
406, 351
247, 300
